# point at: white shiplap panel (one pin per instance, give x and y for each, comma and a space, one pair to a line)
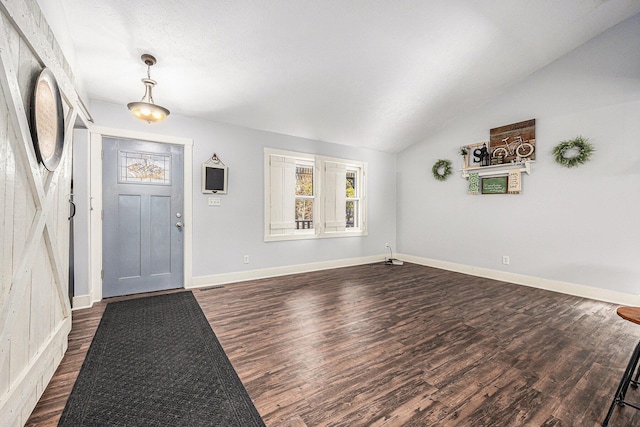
19, 338
7, 176
6, 209
20, 333
20, 221
13, 41
36, 276
28, 70
41, 318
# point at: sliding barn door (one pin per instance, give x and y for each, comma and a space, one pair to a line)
35, 315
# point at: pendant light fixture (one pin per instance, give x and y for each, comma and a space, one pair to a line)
146, 109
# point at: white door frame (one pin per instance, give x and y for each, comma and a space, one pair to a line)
95, 214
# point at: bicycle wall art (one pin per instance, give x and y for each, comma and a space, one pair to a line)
513, 143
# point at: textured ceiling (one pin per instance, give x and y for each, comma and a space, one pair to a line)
381, 74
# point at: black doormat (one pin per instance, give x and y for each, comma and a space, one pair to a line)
155, 361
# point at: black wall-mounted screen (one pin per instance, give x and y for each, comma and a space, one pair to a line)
214, 178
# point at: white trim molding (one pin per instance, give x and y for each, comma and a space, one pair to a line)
241, 276
81, 301
574, 289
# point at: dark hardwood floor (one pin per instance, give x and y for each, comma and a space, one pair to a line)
407, 345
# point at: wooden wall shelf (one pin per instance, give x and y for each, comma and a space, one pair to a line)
496, 170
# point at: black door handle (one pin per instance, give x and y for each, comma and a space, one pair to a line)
73, 210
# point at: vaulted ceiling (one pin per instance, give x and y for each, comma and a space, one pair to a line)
381, 74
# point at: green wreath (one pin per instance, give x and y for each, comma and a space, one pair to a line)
445, 166
585, 149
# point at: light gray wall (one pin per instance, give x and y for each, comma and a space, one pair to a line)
574, 225
223, 235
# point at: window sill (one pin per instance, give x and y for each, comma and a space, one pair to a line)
328, 235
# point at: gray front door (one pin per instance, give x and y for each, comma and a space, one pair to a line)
142, 226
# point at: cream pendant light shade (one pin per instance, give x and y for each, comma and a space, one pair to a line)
146, 109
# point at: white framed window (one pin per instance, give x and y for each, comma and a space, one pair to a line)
309, 196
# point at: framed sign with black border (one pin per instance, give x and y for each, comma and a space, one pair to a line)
47, 120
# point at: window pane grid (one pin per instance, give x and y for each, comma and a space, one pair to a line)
352, 217
352, 187
352, 199
304, 180
304, 197
304, 213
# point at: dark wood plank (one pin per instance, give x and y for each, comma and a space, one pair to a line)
380, 345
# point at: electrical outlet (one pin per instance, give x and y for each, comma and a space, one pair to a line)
386, 245
246, 259
505, 260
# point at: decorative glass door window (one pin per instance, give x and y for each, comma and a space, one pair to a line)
144, 168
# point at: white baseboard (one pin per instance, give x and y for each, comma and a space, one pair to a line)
220, 279
615, 297
583, 291
26, 390
81, 301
